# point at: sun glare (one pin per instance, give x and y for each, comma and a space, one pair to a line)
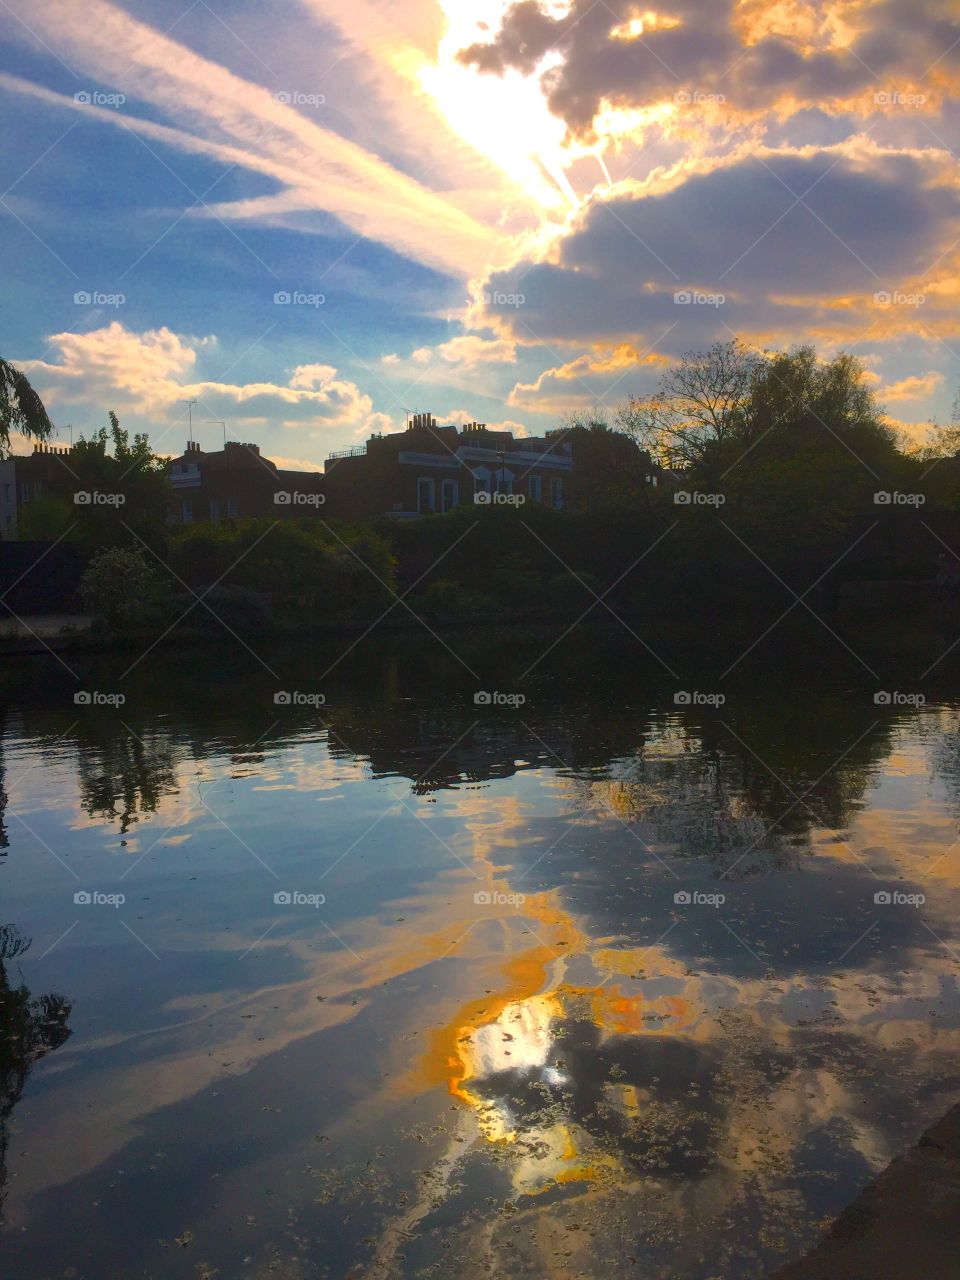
504, 118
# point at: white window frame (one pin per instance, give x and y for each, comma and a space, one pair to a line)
556, 492
534, 488
451, 488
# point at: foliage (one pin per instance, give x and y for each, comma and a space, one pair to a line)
301, 567
21, 409
132, 479
609, 466
114, 584
49, 518
241, 609
699, 405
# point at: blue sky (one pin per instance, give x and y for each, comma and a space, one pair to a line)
481, 209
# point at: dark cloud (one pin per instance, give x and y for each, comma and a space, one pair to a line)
868, 221
706, 53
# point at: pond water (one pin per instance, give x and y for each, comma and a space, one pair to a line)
406, 983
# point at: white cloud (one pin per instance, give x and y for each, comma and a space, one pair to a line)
466, 351
150, 373
240, 122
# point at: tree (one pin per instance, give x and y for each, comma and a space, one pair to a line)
609, 466
700, 403
21, 409
714, 408
131, 482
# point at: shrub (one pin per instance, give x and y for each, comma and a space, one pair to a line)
115, 584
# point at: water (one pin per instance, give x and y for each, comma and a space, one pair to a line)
599, 983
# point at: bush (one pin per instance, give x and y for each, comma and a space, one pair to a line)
115, 584
445, 599
240, 608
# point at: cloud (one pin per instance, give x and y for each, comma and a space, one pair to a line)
914, 388
741, 57
237, 121
461, 418
589, 379
150, 373
293, 464
463, 353
779, 245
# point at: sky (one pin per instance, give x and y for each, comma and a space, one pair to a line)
313, 218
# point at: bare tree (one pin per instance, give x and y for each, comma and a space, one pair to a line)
701, 402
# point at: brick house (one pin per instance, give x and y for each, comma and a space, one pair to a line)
237, 482
429, 469
27, 478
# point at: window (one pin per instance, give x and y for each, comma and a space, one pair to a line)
231, 507
481, 480
214, 508
556, 492
426, 502
24, 492
533, 488
449, 495
186, 512
504, 480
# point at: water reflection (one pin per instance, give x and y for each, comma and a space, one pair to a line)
30, 1027
503, 1041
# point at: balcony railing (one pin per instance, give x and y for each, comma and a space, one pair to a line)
358, 451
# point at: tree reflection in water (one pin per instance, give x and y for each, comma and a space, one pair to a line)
30, 1027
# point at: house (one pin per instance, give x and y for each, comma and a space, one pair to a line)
44, 473
237, 482
429, 469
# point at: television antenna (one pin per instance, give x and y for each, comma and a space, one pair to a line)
190, 404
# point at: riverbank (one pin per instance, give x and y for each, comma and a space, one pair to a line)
905, 1224
875, 627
